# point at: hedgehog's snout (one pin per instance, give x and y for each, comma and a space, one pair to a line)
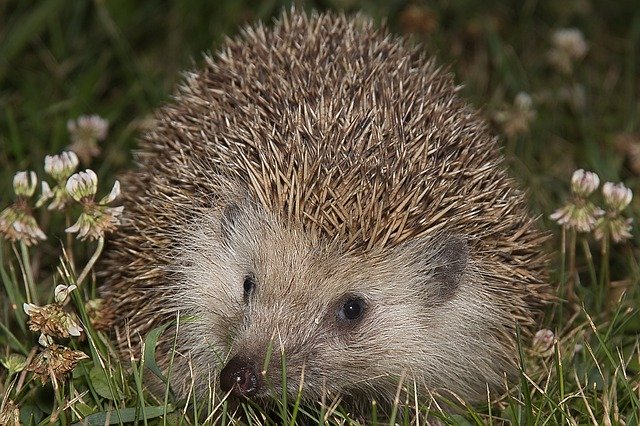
240, 378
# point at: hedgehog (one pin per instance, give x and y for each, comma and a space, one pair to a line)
318, 199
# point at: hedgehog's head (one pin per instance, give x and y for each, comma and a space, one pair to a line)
263, 295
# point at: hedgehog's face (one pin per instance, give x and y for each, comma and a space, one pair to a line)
263, 297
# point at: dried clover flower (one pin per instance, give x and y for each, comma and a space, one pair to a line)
51, 321
9, 413
56, 361
96, 217
16, 221
100, 314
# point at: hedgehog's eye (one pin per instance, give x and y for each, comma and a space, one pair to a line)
248, 286
352, 309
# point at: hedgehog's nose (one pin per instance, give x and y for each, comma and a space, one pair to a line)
239, 377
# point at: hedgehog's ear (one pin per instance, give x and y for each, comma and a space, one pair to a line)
442, 264
451, 260
229, 220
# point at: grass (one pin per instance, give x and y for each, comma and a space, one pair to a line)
121, 59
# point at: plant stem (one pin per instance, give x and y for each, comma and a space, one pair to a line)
91, 262
604, 282
70, 239
572, 273
30, 286
563, 272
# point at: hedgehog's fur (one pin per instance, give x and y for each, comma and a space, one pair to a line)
323, 157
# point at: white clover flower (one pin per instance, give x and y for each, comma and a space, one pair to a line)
82, 185
569, 45
88, 127
24, 184
542, 344
523, 101
580, 215
583, 183
62, 292
96, 218
85, 132
60, 167
17, 224
614, 226
570, 41
616, 196
95, 224
517, 119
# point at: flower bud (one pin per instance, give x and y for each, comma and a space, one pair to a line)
617, 196
82, 185
583, 183
60, 167
14, 363
24, 183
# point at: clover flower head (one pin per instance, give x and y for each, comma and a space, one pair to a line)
569, 45
83, 185
85, 132
55, 362
9, 412
51, 321
518, 118
616, 195
14, 363
583, 183
523, 101
613, 226
24, 184
17, 224
60, 167
570, 41
542, 344
580, 215
88, 127
97, 218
